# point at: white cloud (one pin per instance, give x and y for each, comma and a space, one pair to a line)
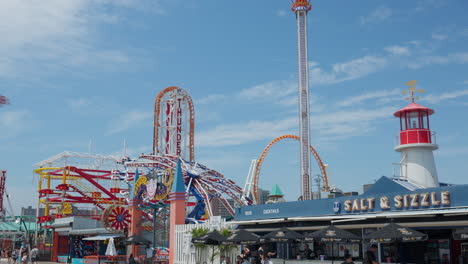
465, 82
281, 13
417, 63
79, 103
398, 50
354, 100
213, 98
445, 96
241, 133
14, 122
378, 15
129, 120
328, 125
437, 36
275, 89
283, 93
348, 123
44, 36
349, 70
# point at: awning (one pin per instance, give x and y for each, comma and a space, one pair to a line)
103, 237
91, 231
396, 214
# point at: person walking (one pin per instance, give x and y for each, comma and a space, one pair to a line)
24, 258
132, 260
8, 255
369, 257
14, 255
34, 255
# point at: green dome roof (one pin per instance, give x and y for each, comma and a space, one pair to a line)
275, 191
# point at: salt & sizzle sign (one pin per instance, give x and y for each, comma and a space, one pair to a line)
406, 201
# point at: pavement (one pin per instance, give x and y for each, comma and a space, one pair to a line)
5, 261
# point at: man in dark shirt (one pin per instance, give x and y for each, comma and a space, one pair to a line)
348, 259
369, 258
307, 252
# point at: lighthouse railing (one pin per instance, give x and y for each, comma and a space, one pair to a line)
416, 136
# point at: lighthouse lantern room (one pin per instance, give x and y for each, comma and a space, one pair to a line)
416, 144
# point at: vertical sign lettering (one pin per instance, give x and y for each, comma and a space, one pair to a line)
179, 128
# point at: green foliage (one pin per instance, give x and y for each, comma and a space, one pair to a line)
215, 250
199, 231
224, 249
196, 232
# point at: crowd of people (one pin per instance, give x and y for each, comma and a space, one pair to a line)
263, 255
260, 255
22, 255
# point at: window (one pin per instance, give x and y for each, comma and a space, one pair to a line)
424, 120
413, 120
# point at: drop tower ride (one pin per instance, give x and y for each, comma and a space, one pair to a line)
301, 8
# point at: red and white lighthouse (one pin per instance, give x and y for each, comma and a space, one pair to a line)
416, 144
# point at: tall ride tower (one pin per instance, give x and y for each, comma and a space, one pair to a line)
301, 8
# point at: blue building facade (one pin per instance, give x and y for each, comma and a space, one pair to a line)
436, 211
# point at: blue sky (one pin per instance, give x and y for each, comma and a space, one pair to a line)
82, 69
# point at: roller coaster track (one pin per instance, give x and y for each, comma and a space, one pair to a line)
157, 111
262, 157
87, 197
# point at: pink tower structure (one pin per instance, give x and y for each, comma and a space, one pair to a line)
177, 207
135, 225
301, 8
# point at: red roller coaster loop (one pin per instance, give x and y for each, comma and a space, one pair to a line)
262, 157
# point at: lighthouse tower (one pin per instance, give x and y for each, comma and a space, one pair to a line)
416, 144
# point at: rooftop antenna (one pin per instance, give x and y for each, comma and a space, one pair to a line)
412, 91
125, 147
90, 145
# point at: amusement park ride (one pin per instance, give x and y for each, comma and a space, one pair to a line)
100, 187
104, 187
3, 100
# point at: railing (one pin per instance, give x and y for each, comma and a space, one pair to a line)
416, 136
121, 259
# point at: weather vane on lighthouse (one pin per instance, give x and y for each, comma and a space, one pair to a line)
412, 91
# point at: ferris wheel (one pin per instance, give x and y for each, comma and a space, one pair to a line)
203, 185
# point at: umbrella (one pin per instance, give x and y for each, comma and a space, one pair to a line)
137, 240
242, 237
461, 234
212, 238
332, 234
282, 235
111, 251
393, 232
